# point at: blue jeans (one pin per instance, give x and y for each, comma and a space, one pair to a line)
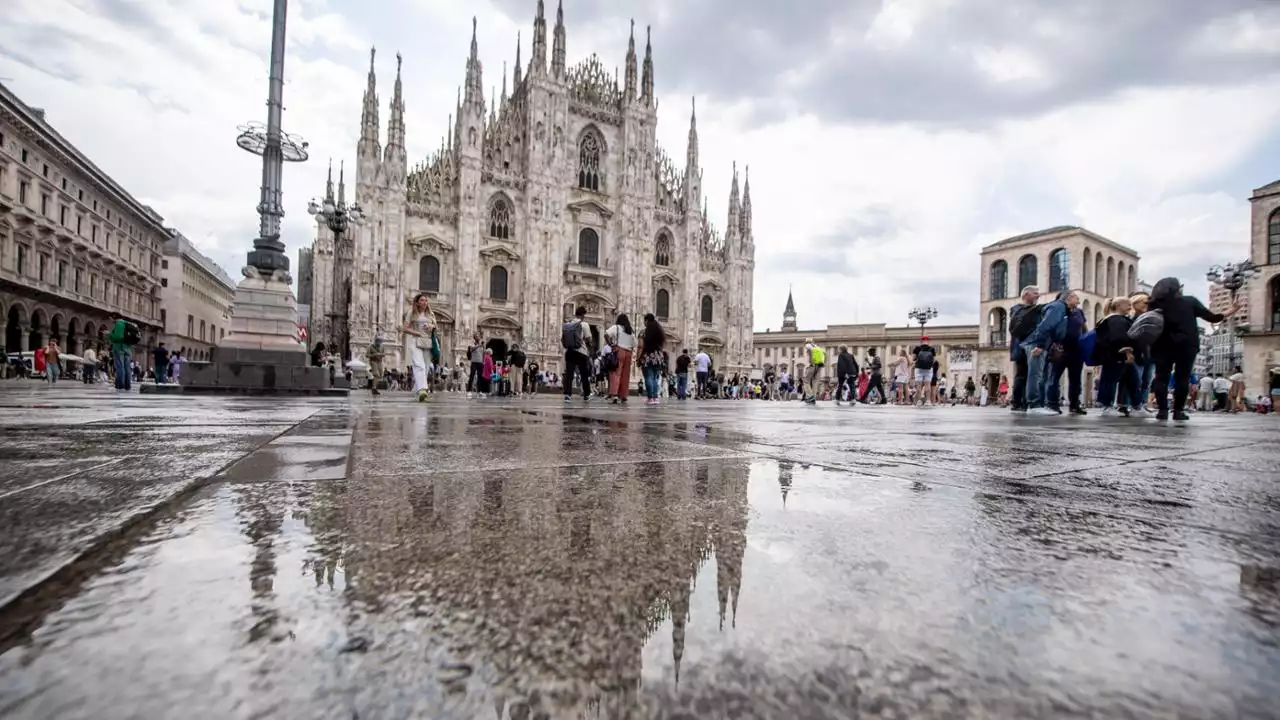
51, 372
652, 375
1140, 383
682, 385
162, 373
1035, 377
1053, 383
1110, 381
124, 373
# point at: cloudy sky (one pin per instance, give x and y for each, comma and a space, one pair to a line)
888, 140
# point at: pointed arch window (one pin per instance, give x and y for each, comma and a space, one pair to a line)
999, 280
429, 274
498, 283
662, 253
997, 327
588, 248
1059, 270
589, 162
662, 307
1027, 271
707, 309
500, 214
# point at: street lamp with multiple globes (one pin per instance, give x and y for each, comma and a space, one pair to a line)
923, 315
1232, 276
339, 218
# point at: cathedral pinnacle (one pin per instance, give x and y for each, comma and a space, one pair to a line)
631, 64
558, 43
342, 183
515, 79
646, 82
746, 204
475, 73
504, 83
328, 185
691, 154
539, 65
368, 149
395, 156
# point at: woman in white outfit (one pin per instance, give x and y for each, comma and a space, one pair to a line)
420, 324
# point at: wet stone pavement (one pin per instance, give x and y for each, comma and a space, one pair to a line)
216, 558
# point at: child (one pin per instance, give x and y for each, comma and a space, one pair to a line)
487, 372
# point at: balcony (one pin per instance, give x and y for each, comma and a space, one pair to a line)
589, 274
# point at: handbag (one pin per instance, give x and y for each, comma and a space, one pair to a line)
1056, 353
435, 347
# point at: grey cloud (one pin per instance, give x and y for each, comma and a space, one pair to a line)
749, 49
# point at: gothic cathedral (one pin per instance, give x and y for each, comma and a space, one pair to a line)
551, 197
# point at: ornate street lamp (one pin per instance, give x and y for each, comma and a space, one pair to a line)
339, 218
1232, 276
923, 315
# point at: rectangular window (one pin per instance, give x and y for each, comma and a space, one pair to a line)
80, 195
62, 215
22, 191
64, 184
164, 282
45, 172
80, 225
44, 205
202, 331
44, 267
95, 206
164, 264
93, 234
79, 276
22, 259
164, 317
191, 326
24, 155
93, 286
222, 332
62, 274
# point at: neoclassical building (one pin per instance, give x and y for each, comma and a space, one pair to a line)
553, 195
1262, 334
197, 296
1055, 259
783, 350
75, 247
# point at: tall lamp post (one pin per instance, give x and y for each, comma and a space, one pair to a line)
339, 217
262, 353
1232, 276
923, 315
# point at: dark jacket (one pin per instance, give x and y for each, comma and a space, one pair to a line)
875, 364
516, 358
846, 365
1180, 313
1112, 334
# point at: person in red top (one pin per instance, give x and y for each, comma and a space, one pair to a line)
38, 362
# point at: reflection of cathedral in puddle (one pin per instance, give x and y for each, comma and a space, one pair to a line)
555, 579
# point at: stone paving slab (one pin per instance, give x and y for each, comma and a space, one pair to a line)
534, 559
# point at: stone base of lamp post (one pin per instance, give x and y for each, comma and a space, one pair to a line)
262, 355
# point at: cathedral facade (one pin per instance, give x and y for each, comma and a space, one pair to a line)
549, 197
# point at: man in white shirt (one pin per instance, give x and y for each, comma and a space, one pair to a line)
1221, 387
702, 367
1204, 395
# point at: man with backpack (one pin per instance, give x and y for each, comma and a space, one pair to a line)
925, 355
124, 335
1023, 320
577, 354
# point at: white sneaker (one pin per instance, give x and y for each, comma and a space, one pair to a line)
1110, 412
468, 396
1041, 411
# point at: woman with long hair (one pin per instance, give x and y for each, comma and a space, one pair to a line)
1179, 343
419, 328
622, 345
652, 357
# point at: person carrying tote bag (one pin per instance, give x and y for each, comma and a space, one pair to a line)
421, 340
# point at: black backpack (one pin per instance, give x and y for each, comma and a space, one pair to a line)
131, 334
1024, 321
924, 359
571, 335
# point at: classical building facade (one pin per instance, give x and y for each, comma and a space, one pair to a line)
783, 350
552, 196
196, 296
1262, 337
75, 247
1055, 259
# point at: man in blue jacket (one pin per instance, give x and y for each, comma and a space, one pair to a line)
1052, 329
